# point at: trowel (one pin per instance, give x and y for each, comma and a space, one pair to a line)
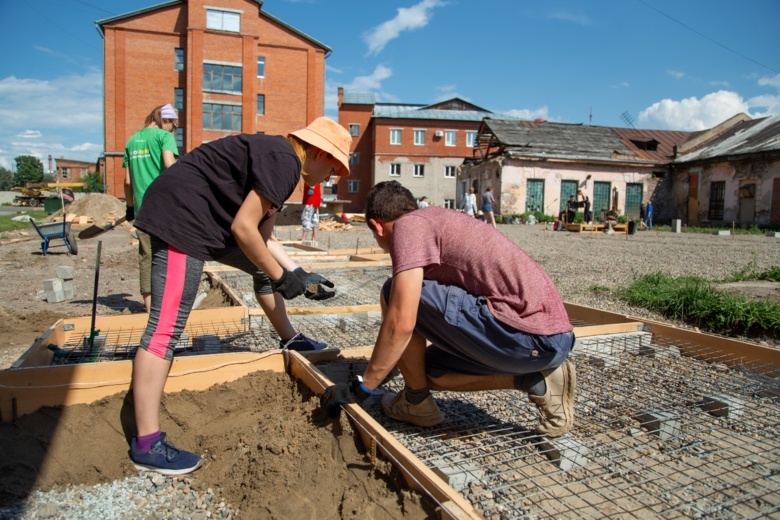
95, 230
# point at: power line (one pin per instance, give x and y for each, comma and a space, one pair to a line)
706, 37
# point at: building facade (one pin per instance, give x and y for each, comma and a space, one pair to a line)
226, 65
421, 146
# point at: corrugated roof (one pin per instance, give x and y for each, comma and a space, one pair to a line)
666, 139
560, 141
754, 136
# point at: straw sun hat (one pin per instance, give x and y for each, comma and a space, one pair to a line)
328, 136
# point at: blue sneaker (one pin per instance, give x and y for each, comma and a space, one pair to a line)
301, 343
165, 458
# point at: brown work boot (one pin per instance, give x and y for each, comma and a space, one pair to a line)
556, 406
426, 413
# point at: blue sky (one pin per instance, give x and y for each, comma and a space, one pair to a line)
666, 64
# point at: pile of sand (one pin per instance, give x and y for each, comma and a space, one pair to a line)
102, 208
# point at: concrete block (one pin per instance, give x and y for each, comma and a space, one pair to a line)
773, 234
664, 424
67, 289
65, 272
723, 405
653, 351
676, 225
98, 342
54, 291
207, 343
565, 452
722, 232
602, 361
310, 243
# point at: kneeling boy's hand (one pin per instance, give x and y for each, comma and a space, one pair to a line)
289, 285
315, 285
344, 393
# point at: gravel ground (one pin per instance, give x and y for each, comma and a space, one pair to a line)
576, 262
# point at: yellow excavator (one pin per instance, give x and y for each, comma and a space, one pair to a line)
34, 193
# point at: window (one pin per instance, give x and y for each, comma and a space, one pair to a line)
261, 66
419, 137
178, 60
419, 170
450, 138
221, 20
221, 117
354, 129
261, 104
395, 170
568, 188
471, 138
66, 173
449, 172
633, 198
354, 158
395, 136
449, 203
534, 195
221, 78
178, 134
717, 200
178, 98
353, 186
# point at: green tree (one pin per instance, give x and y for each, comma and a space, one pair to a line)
28, 169
6, 179
94, 183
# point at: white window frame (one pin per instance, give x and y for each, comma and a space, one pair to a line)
354, 158
395, 136
261, 64
471, 138
448, 169
419, 137
449, 203
354, 129
395, 166
450, 137
353, 185
419, 170
220, 19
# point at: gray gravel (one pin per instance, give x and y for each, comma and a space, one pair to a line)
576, 262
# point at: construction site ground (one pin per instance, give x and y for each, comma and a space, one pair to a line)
578, 263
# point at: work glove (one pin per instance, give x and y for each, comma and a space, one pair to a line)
344, 393
130, 213
315, 285
289, 285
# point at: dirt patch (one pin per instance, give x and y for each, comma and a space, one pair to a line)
266, 455
754, 290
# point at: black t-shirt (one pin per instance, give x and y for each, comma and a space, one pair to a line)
191, 206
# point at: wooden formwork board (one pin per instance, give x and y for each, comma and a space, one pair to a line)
692, 343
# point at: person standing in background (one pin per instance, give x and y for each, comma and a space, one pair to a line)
649, 216
147, 154
310, 218
487, 206
469, 203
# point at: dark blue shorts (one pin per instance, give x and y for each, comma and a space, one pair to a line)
467, 339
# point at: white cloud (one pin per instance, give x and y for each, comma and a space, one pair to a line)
369, 83
568, 16
675, 74
529, 114
62, 117
693, 114
622, 84
724, 84
407, 19
771, 81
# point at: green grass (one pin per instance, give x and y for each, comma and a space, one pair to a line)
7, 224
697, 302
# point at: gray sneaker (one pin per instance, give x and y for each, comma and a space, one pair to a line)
556, 406
426, 413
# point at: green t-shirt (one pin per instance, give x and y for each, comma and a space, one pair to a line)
144, 157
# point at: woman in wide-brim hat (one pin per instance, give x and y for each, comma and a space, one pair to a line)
219, 203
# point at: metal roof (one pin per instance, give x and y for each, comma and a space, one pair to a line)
666, 141
359, 98
546, 140
407, 112
747, 137
100, 23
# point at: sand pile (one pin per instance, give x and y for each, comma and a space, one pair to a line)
102, 208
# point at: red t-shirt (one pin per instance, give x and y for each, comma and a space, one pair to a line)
456, 249
315, 199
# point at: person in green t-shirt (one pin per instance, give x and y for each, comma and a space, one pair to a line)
147, 154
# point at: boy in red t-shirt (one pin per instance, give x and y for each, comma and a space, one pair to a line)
310, 218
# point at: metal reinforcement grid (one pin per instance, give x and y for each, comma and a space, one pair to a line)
656, 434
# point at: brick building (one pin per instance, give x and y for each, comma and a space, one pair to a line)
421, 146
67, 170
226, 65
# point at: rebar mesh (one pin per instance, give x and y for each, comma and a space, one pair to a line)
656, 435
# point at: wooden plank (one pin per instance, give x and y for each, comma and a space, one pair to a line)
417, 474
610, 328
691, 343
33, 388
372, 257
